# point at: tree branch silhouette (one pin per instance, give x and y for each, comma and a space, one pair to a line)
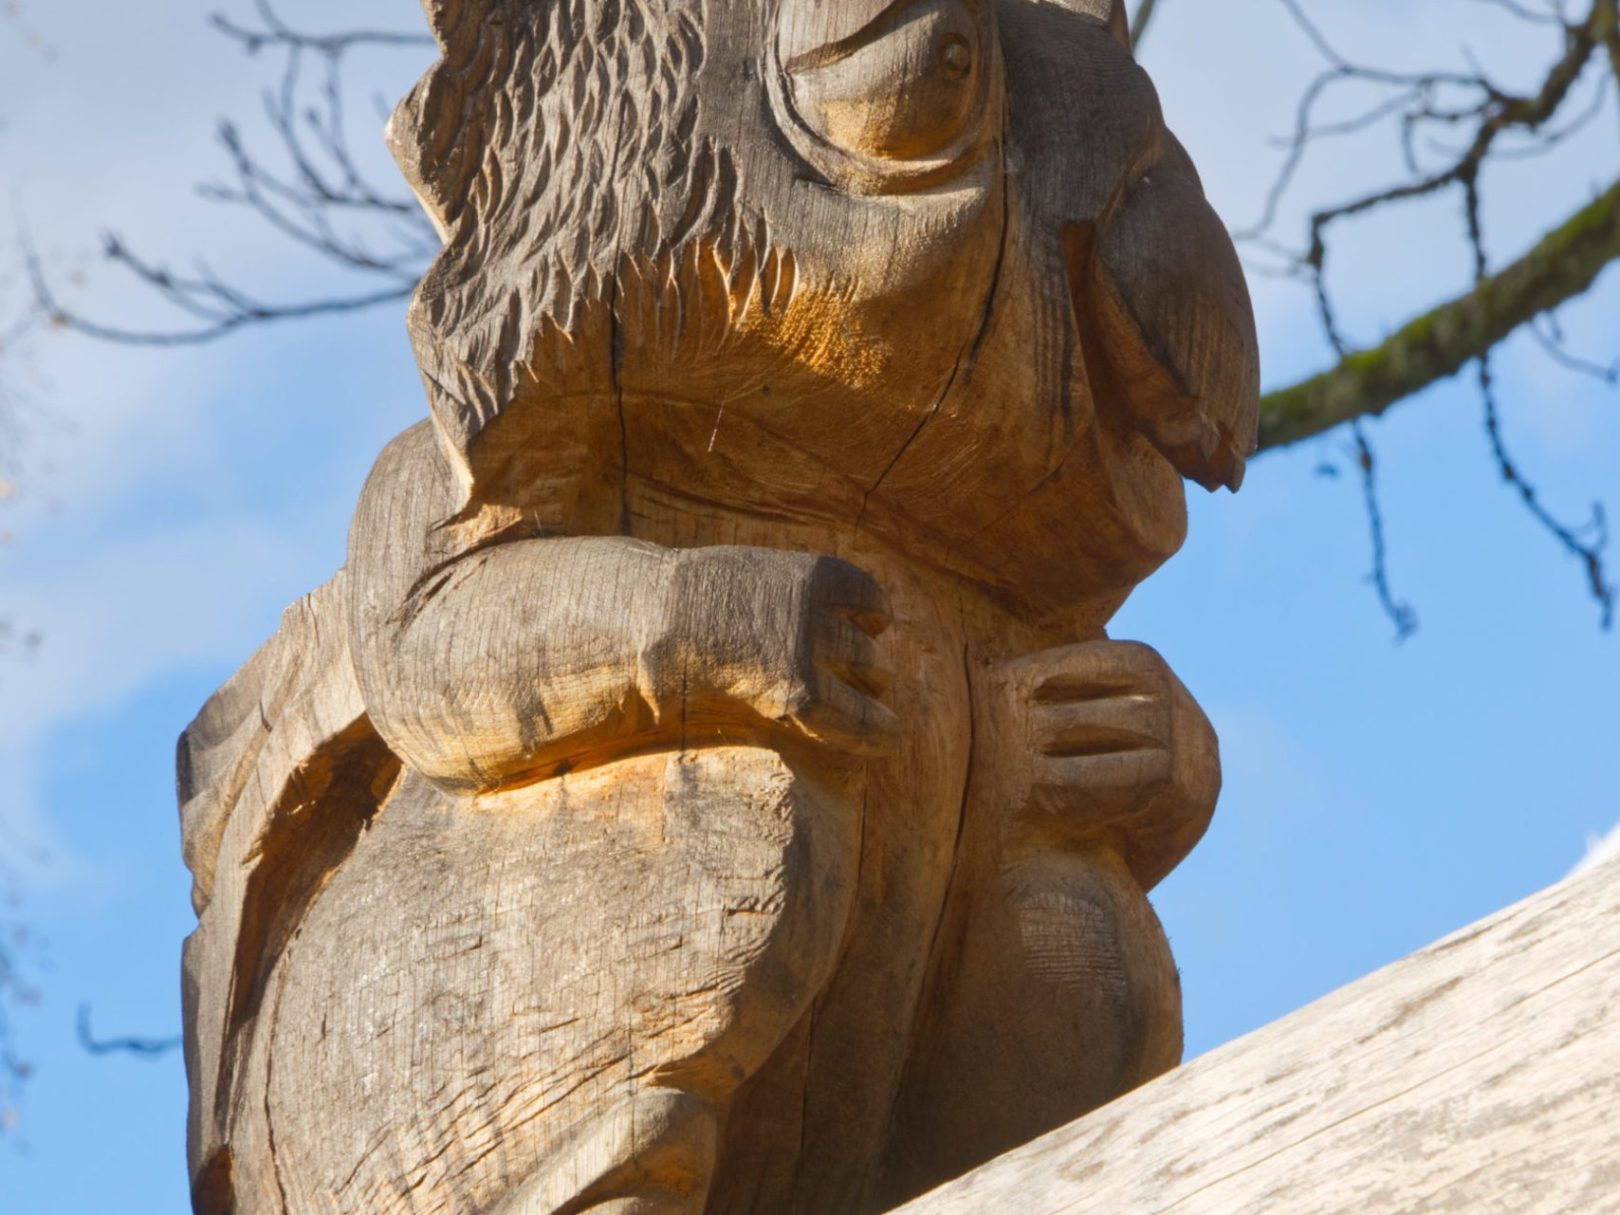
140, 1048
1449, 126
320, 199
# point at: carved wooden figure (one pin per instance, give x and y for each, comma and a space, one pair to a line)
710, 787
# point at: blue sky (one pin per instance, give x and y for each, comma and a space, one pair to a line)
169, 504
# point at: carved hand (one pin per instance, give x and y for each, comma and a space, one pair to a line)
787, 638
1105, 743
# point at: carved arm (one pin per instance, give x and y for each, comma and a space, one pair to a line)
536, 654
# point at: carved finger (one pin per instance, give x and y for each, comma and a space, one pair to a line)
835, 712
1086, 728
1096, 669
854, 594
1122, 772
850, 654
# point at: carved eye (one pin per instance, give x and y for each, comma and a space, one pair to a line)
899, 98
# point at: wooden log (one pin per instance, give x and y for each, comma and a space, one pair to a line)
1481, 1074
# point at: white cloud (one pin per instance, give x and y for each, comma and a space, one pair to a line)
170, 597
116, 131
120, 125
1599, 848
115, 618
143, 544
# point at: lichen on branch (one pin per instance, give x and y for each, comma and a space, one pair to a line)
1439, 343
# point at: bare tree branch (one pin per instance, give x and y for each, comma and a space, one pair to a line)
1140, 23
1587, 544
1441, 342
1399, 613
141, 1048
276, 32
1468, 121
320, 199
1552, 341
222, 309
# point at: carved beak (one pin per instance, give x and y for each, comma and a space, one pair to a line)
1154, 282
1167, 326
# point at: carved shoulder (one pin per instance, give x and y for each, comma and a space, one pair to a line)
398, 532
277, 777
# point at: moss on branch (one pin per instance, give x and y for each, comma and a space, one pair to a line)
1438, 344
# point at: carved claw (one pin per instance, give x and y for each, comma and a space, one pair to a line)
1113, 746
788, 637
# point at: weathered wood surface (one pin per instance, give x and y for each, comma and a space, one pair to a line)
1480, 1076
716, 790
277, 777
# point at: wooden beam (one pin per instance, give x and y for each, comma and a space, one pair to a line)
1481, 1074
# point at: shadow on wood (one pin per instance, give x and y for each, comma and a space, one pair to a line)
1480, 1076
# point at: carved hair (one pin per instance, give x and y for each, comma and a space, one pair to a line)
551, 142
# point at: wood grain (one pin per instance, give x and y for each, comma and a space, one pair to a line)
710, 788
1478, 1076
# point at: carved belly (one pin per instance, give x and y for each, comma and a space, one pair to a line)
486, 975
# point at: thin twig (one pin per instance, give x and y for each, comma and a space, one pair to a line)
140, 1048
1588, 551
1587, 544
1400, 614
324, 202
1139, 24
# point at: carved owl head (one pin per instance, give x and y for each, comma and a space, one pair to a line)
943, 252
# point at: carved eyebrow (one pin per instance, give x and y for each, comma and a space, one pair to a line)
886, 22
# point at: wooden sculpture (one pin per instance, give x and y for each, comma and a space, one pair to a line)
709, 787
